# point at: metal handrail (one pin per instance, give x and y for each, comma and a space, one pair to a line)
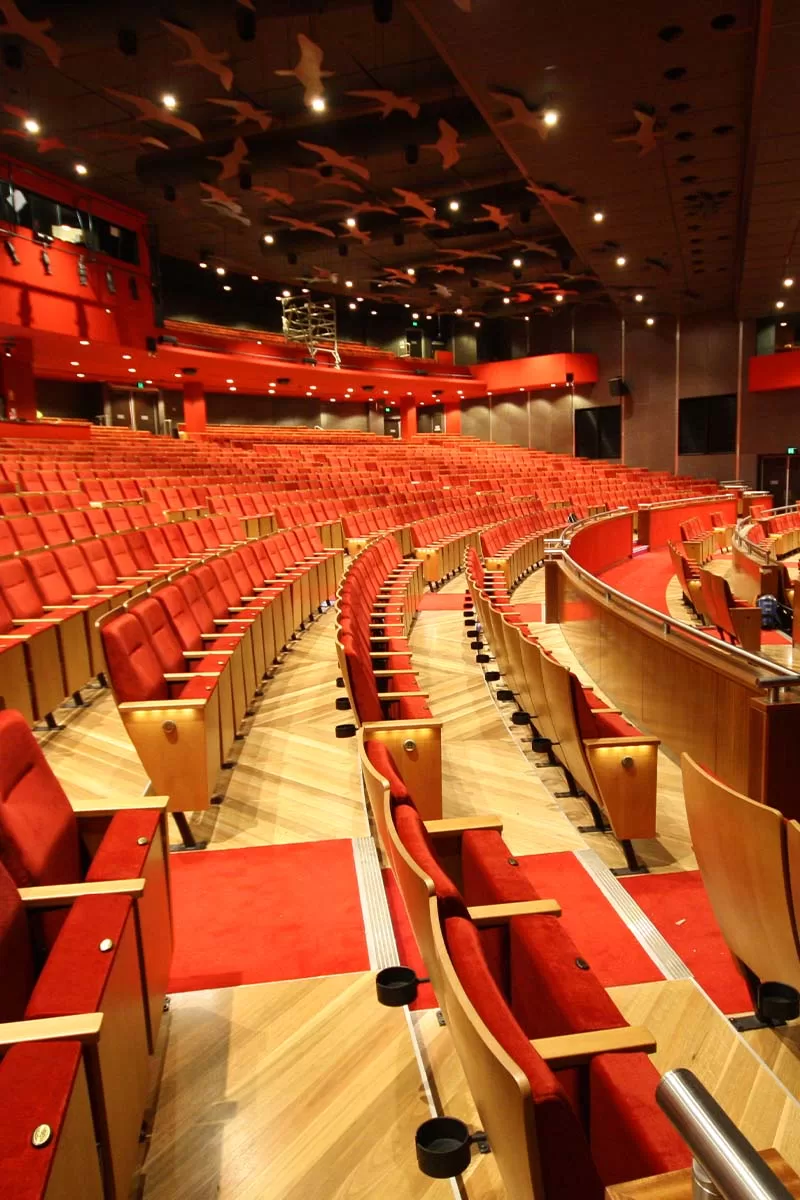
727, 1160
706, 498
734, 654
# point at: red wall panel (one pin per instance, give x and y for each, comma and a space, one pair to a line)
600, 545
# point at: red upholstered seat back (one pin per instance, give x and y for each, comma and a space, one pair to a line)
20, 594
414, 836
133, 666
181, 617
16, 958
48, 579
162, 637
38, 832
75, 569
99, 563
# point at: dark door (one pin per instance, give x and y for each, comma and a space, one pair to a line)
145, 413
430, 418
391, 427
119, 409
773, 477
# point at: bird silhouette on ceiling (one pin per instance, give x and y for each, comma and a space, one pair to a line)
412, 200
452, 252
43, 144
294, 223
551, 195
271, 194
332, 158
149, 111
232, 161
30, 31
494, 214
201, 56
447, 145
440, 268
531, 118
361, 235
647, 133
537, 248
330, 179
245, 111
464, 5
426, 222
129, 139
398, 273
441, 290
364, 206
389, 102
490, 283
220, 200
309, 69
247, 4
553, 289
522, 298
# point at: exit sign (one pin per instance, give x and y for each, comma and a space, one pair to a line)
139, 384
792, 450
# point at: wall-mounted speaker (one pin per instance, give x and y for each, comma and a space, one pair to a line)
284, 379
245, 23
617, 387
382, 11
570, 378
151, 344
412, 154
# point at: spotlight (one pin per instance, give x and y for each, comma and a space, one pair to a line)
84, 341
454, 205
507, 299
305, 293
783, 326
550, 116
360, 299
638, 297
598, 217
81, 169
459, 312
80, 374
559, 297
517, 262
77, 364
220, 270
286, 293
226, 287
621, 260
415, 316
203, 265
527, 318
352, 305
650, 321
229, 381
779, 304
169, 101
31, 125
788, 281
410, 271
268, 239
231, 389
131, 370
373, 312
126, 357
254, 278
350, 222
477, 324
348, 283
318, 104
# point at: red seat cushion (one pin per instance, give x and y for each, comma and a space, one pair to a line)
16, 959
120, 855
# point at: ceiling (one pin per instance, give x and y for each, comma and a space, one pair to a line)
704, 211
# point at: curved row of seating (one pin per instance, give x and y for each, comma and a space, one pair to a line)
516, 546
702, 540
375, 610
712, 600
85, 948
186, 657
780, 532
563, 1086
612, 762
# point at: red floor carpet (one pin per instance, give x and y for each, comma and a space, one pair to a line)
266, 913
677, 904
531, 612
442, 602
407, 949
644, 577
602, 937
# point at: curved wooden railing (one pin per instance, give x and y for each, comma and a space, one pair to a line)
696, 693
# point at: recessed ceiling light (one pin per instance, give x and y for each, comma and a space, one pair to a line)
350, 222
477, 324
108, 310
84, 341
373, 312
598, 216
312, 387
779, 304
550, 116
81, 169
126, 356
177, 375
410, 271
202, 265
231, 389
650, 321
77, 364
169, 101
788, 281
559, 297
506, 299
459, 312
80, 374
148, 381
621, 260
326, 306
31, 125
220, 270
304, 291
783, 325
638, 297
348, 283
552, 385
415, 316
229, 381
268, 238
286, 293
360, 299
318, 104
428, 317
254, 278
517, 262
131, 370
258, 343
226, 287
350, 389
352, 304
454, 205
527, 318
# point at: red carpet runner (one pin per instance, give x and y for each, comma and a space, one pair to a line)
677, 904
442, 602
265, 913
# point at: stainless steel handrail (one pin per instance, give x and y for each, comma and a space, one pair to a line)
736, 1169
669, 624
706, 498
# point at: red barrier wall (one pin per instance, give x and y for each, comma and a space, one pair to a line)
774, 372
661, 523
539, 371
603, 543
45, 431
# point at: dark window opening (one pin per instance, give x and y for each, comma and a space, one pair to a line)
598, 432
707, 425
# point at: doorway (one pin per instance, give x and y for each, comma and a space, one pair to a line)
430, 418
391, 426
139, 409
779, 474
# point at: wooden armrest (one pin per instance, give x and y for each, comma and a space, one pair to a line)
165, 706
448, 826
115, 804
575, 1049
640, 740
390, 654
617, 712
31, 620
82, 1027
389, 673
187, 676
401, 725
384, 625
193, 654
62, 894
400, 695
500, 914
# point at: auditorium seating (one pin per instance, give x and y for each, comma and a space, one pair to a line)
562, 1084
739, 621
699, 541
749, 858
612, 762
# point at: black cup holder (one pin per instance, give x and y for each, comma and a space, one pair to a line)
397, 986
777, 1003
444, 1146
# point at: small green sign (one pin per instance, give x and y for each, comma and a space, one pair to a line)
792, 450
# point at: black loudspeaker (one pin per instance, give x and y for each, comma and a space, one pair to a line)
343, 250
151, 344
412, 154
382, 11
398, 238
245, 181
617, 387
291, 259
169, 193
246, 23
570, 378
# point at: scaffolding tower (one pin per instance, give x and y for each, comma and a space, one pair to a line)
313, 324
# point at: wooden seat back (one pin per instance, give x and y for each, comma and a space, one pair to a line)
741, 850
556, 679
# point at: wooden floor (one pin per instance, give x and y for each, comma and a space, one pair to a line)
308, 1089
